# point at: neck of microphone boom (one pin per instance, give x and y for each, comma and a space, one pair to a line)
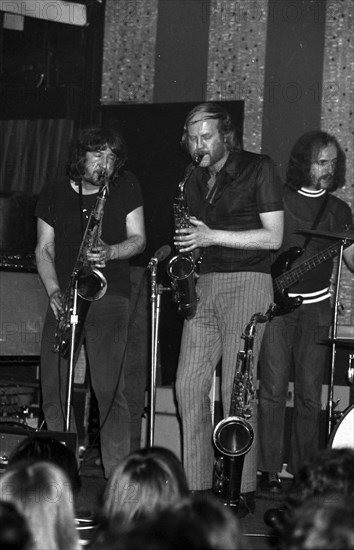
160, 255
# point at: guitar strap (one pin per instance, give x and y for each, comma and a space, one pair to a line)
316, 221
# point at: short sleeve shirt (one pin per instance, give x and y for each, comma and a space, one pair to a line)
300, 212
247, 186
60, 206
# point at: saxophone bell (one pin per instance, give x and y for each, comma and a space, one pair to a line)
181, 269
233, 436
92, 284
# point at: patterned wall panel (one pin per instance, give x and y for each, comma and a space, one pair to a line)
129, 51
337, 112
237, 40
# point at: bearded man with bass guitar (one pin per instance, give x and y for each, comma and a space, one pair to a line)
293, 339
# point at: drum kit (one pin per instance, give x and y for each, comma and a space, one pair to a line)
340, 432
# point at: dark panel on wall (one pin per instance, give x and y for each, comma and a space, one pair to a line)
293, 75
153, 133
181, 50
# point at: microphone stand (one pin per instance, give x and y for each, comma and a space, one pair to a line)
334, 337
74, 319
156, 291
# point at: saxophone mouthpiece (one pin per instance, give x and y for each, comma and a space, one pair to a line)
102, 174
197, 158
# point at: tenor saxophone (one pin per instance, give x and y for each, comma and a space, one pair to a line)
182, 267
90, 282
233, 436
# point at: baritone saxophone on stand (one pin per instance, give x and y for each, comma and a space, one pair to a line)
233, 436
91, 283
182, 267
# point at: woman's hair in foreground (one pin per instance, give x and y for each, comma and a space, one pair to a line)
14, 531
38, 448
213, 111
319, 525
193, 523
148, 480
42, 493
305, 152
91, 140
330, 473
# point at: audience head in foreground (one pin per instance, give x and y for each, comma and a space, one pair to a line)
320, 524
14, 531
42, 493
193, 523
145, 482
329, 476
44, 448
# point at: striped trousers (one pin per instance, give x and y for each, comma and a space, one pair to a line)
226, 304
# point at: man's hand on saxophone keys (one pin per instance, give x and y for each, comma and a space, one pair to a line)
56, 302
198, 235
100, 254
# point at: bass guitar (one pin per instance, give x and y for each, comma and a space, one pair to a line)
284, 277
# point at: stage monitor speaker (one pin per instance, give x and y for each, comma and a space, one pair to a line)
11, 436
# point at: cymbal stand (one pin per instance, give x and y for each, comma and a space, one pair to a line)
156, 291
330, 419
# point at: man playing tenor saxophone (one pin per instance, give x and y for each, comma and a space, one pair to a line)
63, 211
235, 203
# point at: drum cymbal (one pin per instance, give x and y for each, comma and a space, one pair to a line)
348, 235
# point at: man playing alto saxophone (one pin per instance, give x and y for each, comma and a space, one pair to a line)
235, 200
63, 210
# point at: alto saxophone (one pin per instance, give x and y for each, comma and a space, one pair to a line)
90, 282
182, 267
233, 436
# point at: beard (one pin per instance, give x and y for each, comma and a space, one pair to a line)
324, 182
96, 177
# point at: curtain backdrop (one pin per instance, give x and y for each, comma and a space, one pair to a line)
33, 152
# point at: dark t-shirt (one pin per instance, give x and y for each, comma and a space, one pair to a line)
246, 186
59, 206
300, 213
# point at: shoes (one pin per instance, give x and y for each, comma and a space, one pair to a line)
271, 482
244, 506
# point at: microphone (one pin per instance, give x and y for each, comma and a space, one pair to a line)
160, 255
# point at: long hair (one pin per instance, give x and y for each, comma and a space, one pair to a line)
14, 531
95, 139
319, 524
213, 111
42, 493
37, 449
303, 154
193, 523
144, 483
330, 473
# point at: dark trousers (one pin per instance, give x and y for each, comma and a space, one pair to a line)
105, 335
289, 341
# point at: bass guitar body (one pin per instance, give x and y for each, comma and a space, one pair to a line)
281, 275
284, 277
